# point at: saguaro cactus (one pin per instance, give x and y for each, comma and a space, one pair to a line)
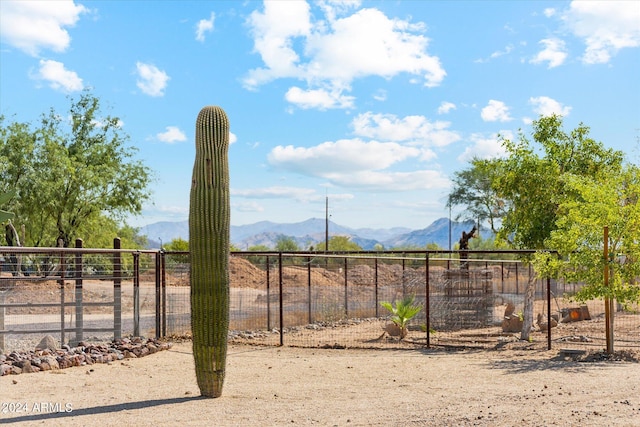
209, 217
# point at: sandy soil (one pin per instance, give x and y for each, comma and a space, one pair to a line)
328, 387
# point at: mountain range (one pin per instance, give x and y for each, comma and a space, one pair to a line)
312, 231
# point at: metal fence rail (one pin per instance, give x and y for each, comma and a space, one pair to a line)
300, 299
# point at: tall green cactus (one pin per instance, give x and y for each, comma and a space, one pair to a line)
209, 218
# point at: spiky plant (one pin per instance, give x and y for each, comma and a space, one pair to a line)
403, 312
209, 218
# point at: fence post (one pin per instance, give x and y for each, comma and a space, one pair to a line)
158, 294
548, 313
62, 306
136, 294
427, 302
163, 285
375, 261
117, 289
2, 312
268, 296
281, 314
309, 287
346, 292
79, 310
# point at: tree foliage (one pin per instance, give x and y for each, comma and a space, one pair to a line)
533, 186
532, 177
473, 188
339, 244
69, 171
286, 244
611, 201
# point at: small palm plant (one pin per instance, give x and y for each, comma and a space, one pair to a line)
402, 313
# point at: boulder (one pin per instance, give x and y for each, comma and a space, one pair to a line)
47, 342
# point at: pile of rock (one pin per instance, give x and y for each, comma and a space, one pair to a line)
47, 357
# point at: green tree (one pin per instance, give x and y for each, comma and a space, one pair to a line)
532, 179
177, 245
473, 188
339, 244
286, 244
70, 170
611, 201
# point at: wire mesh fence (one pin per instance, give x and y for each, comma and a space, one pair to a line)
299, 299
76, 294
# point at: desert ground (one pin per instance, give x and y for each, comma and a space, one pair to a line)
275, 386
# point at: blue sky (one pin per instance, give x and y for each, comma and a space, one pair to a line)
373, 104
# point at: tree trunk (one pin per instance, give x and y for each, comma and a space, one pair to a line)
527, 312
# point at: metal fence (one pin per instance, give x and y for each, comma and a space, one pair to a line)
298, 299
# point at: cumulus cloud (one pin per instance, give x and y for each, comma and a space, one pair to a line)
32, 26
58, 77
330, 53
445, 107
554, 53
204, 26
151, 80
172, 134
320, 99
391, 181
545, 106
484, 147
604, 26
495, 111
343, 156
417, 130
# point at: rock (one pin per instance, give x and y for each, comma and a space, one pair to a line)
51, 361
508, 312
543, 324
5, 369
48, 342
27, 368
512, 324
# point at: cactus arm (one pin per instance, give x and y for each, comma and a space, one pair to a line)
209, 222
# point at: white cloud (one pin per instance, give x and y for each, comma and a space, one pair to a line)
204, 26
549, 12
171, 135
545, 106
151, 80
232, 138
391, 181
32, 26
343, 156
445, 107
495, 111
380, 95
554, 52
507, 50
335, 51
412, 129
605, 26
484, 147
247, 206
318, 98
277, 192
58, 77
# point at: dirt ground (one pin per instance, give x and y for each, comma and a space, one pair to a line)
275, 386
